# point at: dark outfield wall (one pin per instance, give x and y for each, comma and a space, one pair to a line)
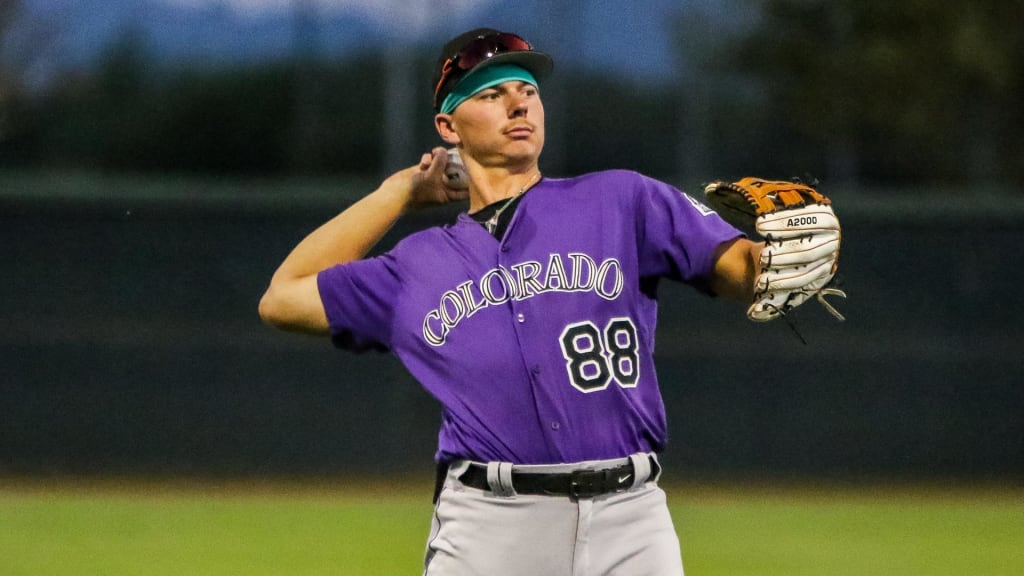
131, 344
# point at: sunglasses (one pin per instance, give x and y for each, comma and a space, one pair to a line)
476, 51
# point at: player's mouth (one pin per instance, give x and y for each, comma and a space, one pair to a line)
519, 131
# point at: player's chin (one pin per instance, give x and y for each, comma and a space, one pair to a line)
525, 148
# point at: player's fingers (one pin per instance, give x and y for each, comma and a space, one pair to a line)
794, 278
426, 160
436, 161
799, 253
427, 182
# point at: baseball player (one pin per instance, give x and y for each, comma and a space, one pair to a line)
530, 318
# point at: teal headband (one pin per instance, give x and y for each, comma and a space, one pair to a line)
480, 79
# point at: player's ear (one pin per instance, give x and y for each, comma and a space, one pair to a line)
446, 128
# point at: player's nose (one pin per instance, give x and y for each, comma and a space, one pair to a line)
517, 106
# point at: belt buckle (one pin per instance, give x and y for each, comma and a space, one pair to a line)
587, 483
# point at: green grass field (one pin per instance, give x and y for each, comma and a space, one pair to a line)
288, 530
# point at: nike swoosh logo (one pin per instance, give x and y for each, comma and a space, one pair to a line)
624, 478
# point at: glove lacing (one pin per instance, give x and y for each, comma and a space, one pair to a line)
820, 297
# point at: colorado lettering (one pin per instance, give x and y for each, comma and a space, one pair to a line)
575, 272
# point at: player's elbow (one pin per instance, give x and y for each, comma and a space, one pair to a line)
272, 310
293, 307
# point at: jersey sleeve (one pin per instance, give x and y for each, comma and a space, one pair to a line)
678, 235
358, 298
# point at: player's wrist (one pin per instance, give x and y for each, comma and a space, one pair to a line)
397, 190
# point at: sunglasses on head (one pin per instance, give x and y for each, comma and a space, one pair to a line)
476, 51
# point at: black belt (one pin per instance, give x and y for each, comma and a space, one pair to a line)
576, 484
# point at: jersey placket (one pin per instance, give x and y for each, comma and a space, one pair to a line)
525, 326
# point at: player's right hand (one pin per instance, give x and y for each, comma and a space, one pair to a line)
428, 184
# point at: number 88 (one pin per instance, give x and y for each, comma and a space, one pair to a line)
593, 357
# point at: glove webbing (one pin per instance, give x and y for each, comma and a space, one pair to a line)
774, 195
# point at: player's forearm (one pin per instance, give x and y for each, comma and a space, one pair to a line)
736, 270
292, 301
351, 234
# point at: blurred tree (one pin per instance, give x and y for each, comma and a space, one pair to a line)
25, 40
614, 125
129, 113
8, 12
894, 91
864, 90
731, 123
8, 84
90, 119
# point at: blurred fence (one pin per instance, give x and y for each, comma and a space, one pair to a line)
131, 344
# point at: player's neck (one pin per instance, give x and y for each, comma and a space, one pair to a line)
501, 186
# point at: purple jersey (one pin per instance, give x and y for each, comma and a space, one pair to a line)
539, 346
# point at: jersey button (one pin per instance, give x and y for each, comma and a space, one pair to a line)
521, 317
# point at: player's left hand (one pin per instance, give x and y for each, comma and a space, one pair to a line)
798, 261
802, 237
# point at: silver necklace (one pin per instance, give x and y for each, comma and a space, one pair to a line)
492, 223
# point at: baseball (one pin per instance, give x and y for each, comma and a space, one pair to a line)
455, 176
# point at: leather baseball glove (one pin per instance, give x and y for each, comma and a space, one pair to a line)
801, 234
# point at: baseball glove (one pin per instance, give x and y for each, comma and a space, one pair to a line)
801, 234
